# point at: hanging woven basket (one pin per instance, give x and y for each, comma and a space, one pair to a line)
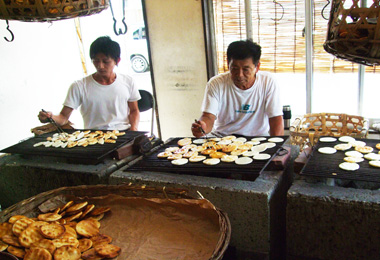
49, 10
353, 32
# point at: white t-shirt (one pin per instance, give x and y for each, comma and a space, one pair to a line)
103, 106
238, 111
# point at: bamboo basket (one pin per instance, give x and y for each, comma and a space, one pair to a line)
354, 32
306, 131
49, 10
29, 207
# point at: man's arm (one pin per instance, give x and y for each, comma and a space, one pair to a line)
276, 125
134, 115
60, 119
206, 121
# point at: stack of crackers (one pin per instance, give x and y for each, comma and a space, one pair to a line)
71, 232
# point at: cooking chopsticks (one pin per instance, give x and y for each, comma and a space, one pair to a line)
201, 129
51, 120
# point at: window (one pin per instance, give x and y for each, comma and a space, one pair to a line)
279, 27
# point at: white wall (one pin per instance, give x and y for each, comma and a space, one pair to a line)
37, 68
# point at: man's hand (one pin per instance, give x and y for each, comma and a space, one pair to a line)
196, 128
44, 116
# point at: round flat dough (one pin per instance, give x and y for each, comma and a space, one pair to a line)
262, 156
378, 146
181, 161
199, 141
269, 145
352, 159
171, 149
229, 158
243, 160
343, 147
253, 142
327, 139
242, 139
212, 161
375, 163
225, 142
229, 137
349, 166
327, 150
372, 156
249, 153
346, 139
259, 148
357, 143
164, 154
276, 139
353, 154
364, 149
215, 139
237, 152
258, 139
197, 158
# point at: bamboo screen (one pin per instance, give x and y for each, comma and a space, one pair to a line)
278, 26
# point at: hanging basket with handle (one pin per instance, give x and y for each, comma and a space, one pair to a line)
49, 10
354, 31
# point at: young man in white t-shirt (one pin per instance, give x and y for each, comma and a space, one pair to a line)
107, 100
242, 101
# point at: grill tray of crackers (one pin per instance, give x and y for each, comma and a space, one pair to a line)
306, 131
114, 222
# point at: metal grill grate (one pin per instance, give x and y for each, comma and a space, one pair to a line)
222, 170
327, 165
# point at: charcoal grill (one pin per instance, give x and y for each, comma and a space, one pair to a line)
91, 154
151, 162
327, 165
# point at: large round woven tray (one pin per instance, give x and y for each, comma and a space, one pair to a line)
49, 10
306, 131
31, 207
354, 32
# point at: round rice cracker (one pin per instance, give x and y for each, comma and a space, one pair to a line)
327, 150
229, 137
67, 253
262, 156
352, 159
378, 146
357, 143
212, 161
249, 153
20, 225
343, 147
327, 139
242, 139
243, 160
14, 218
184, 141
100, 210
276, 139
181, 161
11, 240
3, 246
5, 229
372, 156
52, 230
346, 139
49, 217
364, 149
100, 239
353, 154
87, 228
91, 255
258, 139
375, 163
44, 243
76, 207
164, 154
197, 158
199, 141
217, 155
229, 158
259, 148
107, 250
347, 166
269, 145
66, 241
84, 244
38, 253
16, 251
29, 236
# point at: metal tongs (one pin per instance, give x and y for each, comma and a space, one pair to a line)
59, 128
201, 129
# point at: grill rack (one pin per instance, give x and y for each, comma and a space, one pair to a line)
151, 162
327, 165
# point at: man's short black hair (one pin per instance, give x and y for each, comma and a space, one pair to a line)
241, 50
106, 46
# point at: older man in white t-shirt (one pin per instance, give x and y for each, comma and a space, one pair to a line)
242, 101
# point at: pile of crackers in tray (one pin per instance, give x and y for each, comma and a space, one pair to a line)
71, 232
